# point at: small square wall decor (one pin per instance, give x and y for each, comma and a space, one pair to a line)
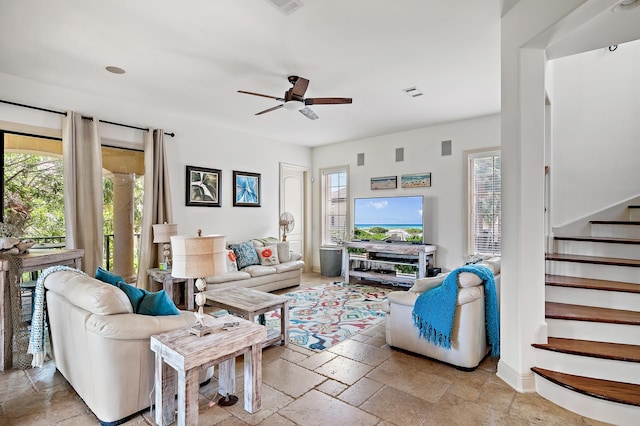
203, 187
246, 189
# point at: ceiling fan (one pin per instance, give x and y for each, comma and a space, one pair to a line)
294, 98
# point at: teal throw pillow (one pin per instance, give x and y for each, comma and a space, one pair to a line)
107, 277
157, 304
134, 294
245, 254
147, 303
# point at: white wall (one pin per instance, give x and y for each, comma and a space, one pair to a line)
444, 200
523, 137
596, 132
196, 143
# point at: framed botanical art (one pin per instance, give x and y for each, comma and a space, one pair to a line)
246, 189
203, 187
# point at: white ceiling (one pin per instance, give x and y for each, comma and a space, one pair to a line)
189, 58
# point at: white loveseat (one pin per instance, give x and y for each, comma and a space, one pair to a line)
286, 272
100, 346
468, 339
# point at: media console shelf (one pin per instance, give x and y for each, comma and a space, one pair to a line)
378, 261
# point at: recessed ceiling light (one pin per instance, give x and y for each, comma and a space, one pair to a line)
115, 70
626, 5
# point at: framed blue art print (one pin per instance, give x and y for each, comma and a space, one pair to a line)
246, 189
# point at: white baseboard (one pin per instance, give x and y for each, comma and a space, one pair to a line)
521, 382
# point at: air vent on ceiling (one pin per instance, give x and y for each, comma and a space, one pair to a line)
414, 92
287, 6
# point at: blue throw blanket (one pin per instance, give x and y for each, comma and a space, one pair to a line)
434, 310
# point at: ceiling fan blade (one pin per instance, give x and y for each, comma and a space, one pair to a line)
327, 101
307, 112
269, 110
300, 86
260, 94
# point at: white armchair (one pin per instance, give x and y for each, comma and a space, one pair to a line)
469, 336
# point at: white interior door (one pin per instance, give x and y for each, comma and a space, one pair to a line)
292, 200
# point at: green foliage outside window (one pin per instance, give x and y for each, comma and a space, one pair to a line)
34, 199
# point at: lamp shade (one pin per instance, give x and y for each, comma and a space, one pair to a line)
163, 232
198, 257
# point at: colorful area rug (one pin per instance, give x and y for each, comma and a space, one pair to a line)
321, 316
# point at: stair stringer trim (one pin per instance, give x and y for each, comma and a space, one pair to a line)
588, 406
582, 226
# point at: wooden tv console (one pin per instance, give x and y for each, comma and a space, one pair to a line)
378, 261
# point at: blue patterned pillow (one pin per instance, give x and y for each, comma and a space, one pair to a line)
245, 254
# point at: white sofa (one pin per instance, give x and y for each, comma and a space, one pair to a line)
286, 273
469, 338
100, 346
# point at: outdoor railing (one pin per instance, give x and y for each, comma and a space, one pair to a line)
59, 242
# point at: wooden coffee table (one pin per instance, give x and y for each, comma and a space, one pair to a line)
250, 304
182, 354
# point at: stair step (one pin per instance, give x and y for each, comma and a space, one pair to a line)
614, 222
597, 260
591, 314
622, 248
623, 393
610, 240
616, 228
615, 351
589, 283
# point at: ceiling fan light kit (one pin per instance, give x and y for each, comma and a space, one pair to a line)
294, 105
294, 99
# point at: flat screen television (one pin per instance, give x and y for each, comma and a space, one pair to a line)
389, 218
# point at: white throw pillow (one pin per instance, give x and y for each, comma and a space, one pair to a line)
232, 265
268, 255
425, 284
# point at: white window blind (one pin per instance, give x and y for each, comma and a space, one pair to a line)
485, 203
334, 205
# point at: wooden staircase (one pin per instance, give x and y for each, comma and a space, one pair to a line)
591, 362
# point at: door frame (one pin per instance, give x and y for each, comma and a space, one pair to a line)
306, 200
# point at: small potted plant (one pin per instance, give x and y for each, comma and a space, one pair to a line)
406, 271
358, 252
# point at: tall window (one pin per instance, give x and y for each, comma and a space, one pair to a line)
485, 202
33, 203
334, 205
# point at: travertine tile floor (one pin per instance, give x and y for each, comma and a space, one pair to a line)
358, 382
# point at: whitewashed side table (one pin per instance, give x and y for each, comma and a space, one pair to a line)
167, 280
182, 354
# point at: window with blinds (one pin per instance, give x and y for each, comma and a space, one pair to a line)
485, 203
334, 205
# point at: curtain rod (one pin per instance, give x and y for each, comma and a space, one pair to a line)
87, 118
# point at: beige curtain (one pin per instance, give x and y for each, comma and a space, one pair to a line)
83, 197
157, 201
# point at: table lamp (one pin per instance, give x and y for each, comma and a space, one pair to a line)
162, 233
197, 258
